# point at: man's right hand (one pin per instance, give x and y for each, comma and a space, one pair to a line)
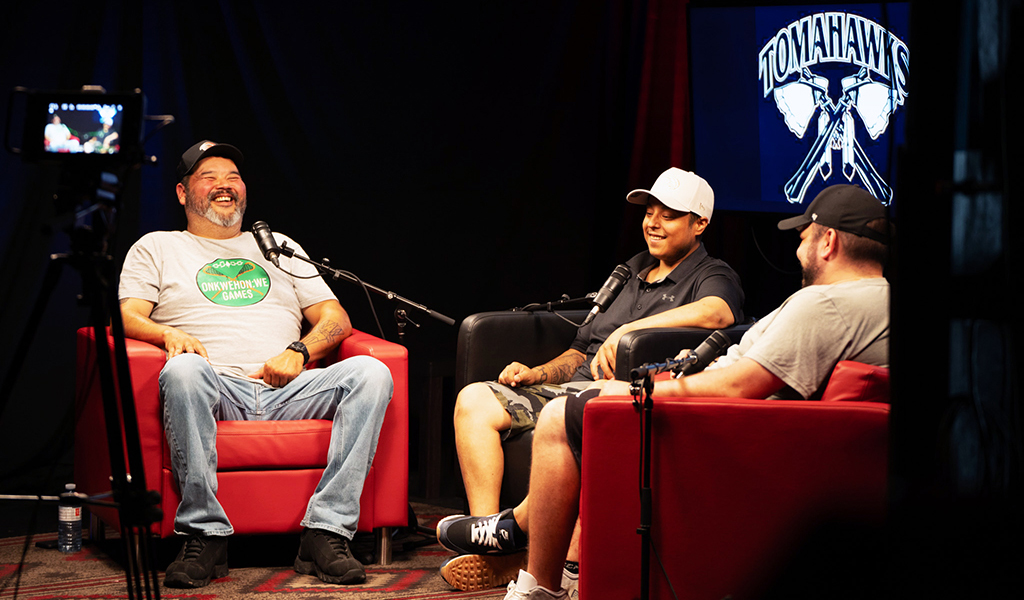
517, 374
178, 342
137, 325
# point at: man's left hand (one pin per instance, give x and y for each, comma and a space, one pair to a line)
603, 365
281, 369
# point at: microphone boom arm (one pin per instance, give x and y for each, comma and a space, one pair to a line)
694, 361
670, 364
325, 267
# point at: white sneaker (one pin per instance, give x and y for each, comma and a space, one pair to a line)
571, 584
526, 588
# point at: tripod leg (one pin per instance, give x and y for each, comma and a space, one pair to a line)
137, 506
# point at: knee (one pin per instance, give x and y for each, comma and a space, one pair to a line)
551, 422
475, 403
187, 382
363, 372
183, 369
374, 371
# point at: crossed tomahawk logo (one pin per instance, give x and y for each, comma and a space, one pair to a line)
873, 101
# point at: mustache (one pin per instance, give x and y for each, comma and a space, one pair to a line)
217, 193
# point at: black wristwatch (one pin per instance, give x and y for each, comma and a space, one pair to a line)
300, 348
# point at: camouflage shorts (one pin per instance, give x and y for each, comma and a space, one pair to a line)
524, 403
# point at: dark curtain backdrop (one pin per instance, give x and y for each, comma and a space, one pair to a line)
467, 156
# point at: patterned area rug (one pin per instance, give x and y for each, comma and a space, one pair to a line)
260, 568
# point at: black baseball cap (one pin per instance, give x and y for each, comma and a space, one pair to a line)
844, 207
205, 149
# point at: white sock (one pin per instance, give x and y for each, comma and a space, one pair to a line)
525, 582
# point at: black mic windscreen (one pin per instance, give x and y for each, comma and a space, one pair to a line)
265, 240
611, 288
707, 351
608, 292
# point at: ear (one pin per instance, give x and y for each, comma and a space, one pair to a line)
828, 245
180, 190
700, 225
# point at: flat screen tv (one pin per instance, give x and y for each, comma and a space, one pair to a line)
790, 99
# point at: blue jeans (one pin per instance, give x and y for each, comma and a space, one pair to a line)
353, 394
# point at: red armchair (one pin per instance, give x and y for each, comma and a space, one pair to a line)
736, 484
263, 492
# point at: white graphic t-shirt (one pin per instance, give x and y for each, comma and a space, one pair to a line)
241, 307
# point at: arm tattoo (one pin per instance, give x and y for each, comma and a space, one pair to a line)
560, 369
326, 331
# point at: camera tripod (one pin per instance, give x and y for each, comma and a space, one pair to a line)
138, 508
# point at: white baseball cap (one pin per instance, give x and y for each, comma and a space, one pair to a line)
679, 190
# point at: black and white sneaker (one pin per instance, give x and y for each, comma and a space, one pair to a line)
201, 559
493, 534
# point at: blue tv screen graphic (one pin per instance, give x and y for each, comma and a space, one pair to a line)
788, 100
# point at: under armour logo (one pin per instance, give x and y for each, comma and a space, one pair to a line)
668, 297
873, 93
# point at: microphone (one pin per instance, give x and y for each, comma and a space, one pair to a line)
266, 242
694, 361
702, 355
608, 292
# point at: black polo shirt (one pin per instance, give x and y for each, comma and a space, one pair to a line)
698, 276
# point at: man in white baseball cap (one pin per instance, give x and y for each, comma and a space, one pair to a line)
679, 190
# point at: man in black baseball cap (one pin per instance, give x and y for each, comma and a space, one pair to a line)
191, 293
843, 207
855, 217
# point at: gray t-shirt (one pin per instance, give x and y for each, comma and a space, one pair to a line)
801, 341
241, 307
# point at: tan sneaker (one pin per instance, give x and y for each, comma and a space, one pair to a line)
472, 572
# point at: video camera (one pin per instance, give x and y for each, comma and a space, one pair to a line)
88, 128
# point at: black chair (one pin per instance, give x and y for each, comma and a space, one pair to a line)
489, 341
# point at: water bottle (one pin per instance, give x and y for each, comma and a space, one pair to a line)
69, 521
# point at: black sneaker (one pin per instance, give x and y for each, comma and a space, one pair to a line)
493, 534
201, 559
327, 554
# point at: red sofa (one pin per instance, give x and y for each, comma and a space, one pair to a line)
736, 484
263, 492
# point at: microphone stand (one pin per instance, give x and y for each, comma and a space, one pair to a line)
644, 386
401, 317
642, 390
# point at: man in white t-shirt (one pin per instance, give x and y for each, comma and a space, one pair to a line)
841, 313
231, 321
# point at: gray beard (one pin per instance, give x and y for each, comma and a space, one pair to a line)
193, 205
228, 221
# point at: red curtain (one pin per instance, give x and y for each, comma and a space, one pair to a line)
663, 122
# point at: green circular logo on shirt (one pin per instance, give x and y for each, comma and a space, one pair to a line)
233, 282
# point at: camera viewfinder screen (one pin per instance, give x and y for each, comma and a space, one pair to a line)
83, 127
